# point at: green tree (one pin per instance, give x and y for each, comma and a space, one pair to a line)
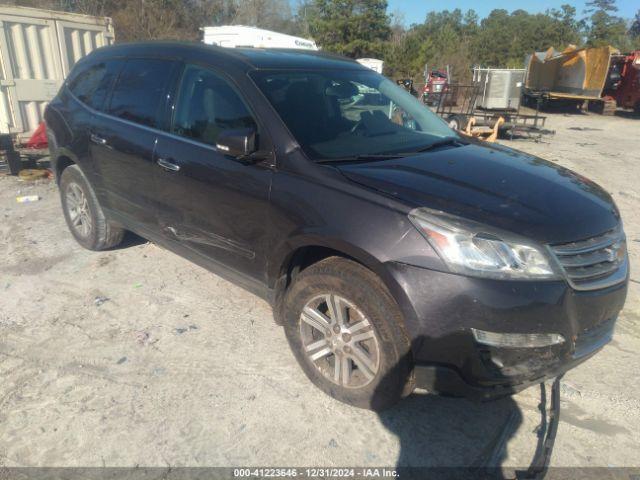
442, 40
604, 28
355, 28
567, 27
634, 29
504, 38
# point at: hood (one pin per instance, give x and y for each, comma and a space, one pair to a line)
496, 186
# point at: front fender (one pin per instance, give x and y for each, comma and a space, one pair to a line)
383, 269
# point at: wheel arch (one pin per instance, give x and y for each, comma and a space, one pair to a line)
305, 252
62, 160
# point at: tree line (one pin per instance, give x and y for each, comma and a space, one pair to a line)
365, 28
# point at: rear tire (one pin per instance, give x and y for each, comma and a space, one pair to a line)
366, 340
83, 213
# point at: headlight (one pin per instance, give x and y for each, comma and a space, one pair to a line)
473, 249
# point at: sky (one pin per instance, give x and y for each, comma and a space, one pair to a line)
414, 11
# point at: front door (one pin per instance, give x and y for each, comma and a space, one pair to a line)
212, 204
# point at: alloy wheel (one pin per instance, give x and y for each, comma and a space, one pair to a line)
78, 209
340, 341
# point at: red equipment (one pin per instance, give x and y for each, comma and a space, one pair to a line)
628, 95
435, 86
39, 138
623, 82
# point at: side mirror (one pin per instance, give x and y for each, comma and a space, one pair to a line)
237, 143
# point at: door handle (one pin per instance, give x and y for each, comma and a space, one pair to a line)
167, 165
97, 139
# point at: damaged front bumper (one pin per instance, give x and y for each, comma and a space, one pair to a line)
489, 338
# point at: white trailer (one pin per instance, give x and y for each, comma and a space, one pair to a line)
372, 63
240, 36
37, 50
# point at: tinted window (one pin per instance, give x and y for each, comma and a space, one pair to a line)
92, 84
139, 93
208, 105
111, 68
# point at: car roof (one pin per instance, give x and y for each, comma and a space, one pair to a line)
244, 58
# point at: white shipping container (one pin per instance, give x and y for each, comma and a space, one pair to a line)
38, 48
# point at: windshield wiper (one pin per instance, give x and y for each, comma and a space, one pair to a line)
365, 157
368, 157
453, 141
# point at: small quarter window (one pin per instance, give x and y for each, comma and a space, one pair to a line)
111, 70
92, 85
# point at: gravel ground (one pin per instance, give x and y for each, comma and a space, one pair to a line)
137, 357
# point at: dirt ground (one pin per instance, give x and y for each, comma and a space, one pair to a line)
137, 357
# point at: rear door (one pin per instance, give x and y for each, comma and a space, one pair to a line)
124, 137
74, 117
213, 204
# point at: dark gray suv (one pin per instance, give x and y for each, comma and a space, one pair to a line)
394, 252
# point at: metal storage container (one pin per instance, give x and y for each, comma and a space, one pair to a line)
499, 88
37, 50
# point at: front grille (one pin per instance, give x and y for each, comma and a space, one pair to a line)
596, 262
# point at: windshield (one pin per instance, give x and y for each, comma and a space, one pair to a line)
350, 113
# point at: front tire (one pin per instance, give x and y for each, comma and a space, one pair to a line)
83, 213
345, 330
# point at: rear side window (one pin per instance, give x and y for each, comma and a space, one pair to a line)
208, 105
92, 85
139, 93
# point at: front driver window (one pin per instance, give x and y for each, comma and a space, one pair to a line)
206, 106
